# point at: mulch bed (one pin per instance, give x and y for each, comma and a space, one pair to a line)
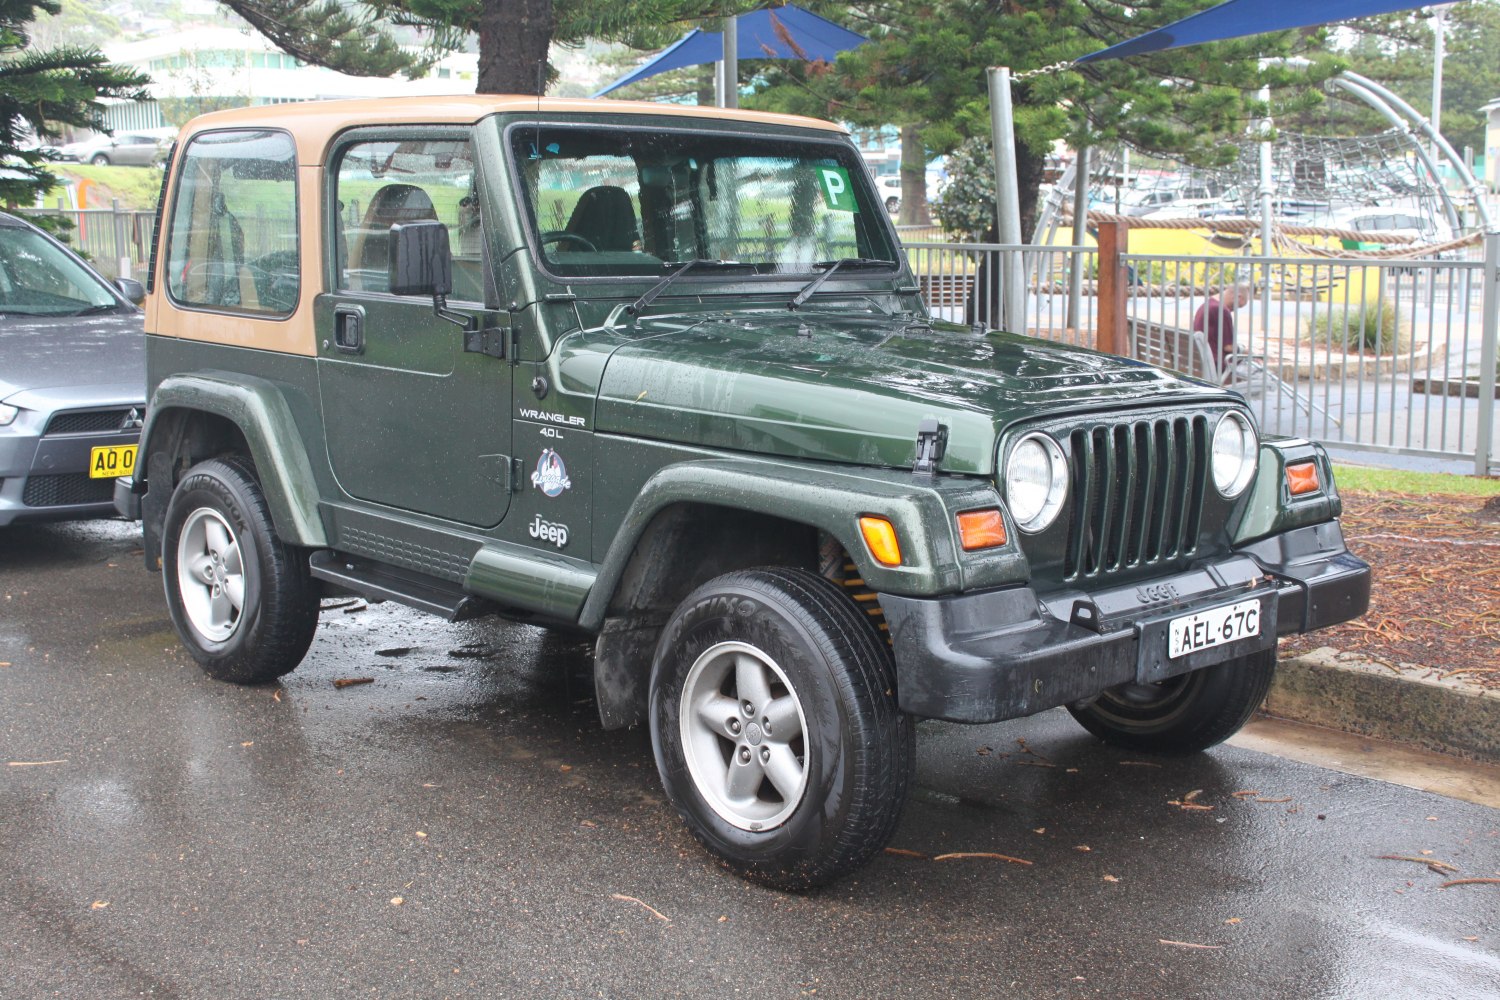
1436, 599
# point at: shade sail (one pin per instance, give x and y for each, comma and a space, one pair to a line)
1247, 17
781, 33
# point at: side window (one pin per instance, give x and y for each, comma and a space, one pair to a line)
233, 237
379, 184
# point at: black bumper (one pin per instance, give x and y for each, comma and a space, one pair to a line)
1004, 654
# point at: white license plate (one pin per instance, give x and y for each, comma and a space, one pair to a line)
1213, 627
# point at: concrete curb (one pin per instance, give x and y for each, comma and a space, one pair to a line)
1349, 692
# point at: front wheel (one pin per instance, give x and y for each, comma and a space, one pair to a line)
775, 726
1183, 714
242, 601
99, 160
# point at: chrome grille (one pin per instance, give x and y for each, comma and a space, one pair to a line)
1137, 490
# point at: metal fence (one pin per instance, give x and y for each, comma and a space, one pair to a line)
116, 241
1393, 357
964, 283
1374, 356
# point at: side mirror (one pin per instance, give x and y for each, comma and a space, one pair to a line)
131, 289
421, 262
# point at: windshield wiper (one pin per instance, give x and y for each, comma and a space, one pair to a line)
94, 310
683, 267
812, 286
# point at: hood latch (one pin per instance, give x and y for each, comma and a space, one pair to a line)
932, 445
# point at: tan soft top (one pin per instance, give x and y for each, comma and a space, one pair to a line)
313, 123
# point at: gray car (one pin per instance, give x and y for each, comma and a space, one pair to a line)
124, 149
72, 380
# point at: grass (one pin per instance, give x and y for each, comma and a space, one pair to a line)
1371, 480
1366, 327
136, 187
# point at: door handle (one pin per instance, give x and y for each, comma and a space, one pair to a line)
349, 329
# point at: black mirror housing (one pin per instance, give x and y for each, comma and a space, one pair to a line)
131, 289
421, 262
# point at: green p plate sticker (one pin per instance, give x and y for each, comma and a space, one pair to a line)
838, 193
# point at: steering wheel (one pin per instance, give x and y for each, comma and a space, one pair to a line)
561, 235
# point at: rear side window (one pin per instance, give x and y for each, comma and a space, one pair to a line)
233, 238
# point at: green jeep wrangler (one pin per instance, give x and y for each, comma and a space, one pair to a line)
662, 375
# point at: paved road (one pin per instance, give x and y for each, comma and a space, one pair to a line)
202, 840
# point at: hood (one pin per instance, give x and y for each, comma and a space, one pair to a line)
854, 388
40, 353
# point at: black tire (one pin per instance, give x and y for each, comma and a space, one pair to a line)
856, 746
1184, 714
99, 160
892, 204
270, 631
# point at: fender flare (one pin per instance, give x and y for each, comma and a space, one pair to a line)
258, 408
827, 498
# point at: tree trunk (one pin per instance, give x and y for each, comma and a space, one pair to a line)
914, 210
1030, 167
514, 36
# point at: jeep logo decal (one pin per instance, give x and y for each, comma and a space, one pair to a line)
546, 531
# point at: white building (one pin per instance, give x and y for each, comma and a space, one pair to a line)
240, 65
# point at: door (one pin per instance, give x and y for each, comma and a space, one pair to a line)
412, 421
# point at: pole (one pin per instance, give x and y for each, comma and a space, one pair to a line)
1267, 220
1489, 299
1110, 317
1007, 200
1080, 230
731, 63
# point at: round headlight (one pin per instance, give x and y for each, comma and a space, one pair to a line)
1036, 482
1234, 454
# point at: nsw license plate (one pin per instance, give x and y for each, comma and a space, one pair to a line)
1213, 627
110, 461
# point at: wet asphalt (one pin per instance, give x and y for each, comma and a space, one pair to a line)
460, 827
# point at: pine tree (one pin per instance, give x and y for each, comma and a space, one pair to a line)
924, 70
40, 91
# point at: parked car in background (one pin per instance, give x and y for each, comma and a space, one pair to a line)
72, 380
124, 149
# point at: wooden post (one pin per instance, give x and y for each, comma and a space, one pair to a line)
1110, 337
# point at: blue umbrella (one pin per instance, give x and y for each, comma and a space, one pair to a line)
1247, 17
783, 33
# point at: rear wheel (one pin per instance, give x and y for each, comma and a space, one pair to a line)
1183, 714
774, 720
241, 600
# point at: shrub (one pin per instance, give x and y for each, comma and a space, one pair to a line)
1368, 327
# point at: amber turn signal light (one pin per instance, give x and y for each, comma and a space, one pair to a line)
880, 539
1303, 478
981, 529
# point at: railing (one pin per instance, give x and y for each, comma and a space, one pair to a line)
1363, 355
1367, 356
963, 283
116, 241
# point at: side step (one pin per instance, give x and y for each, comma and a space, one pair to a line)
378, 582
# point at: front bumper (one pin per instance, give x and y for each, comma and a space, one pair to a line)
1004, 654
46, 478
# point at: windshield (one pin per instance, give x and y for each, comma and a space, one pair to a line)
38, 279
631, 202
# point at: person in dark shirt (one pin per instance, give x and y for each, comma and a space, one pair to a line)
1215, 320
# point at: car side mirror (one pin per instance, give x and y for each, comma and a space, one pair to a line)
421, 262
131, 289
